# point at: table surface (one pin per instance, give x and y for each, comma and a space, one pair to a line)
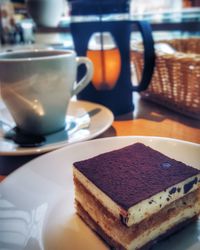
147, 119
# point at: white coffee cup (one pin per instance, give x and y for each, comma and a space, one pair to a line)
45, 12
36, 86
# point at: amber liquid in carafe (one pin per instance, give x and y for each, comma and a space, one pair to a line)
107, 66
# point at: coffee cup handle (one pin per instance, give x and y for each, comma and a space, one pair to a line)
86, 78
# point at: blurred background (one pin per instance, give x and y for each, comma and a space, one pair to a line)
169, 19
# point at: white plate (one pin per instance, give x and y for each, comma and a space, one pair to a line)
37, 201
100, 120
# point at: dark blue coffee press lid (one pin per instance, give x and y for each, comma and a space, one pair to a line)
98, 7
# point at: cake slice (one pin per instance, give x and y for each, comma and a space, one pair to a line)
135, 195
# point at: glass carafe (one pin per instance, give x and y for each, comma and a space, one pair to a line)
105, 55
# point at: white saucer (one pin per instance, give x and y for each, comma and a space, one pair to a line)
37, 200
101, 119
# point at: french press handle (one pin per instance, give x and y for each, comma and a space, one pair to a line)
149, 55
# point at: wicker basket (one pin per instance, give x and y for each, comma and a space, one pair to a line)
176, 79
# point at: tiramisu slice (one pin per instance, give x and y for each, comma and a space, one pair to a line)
135, 195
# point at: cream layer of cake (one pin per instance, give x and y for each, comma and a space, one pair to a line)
167, 220
144, 208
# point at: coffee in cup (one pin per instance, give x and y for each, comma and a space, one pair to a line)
37, 85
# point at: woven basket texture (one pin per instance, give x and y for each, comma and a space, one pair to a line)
176, 79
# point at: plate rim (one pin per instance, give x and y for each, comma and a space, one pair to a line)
55, 146
77, 144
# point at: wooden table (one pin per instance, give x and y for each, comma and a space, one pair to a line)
148, 119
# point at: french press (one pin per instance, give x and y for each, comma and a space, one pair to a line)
101, 30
